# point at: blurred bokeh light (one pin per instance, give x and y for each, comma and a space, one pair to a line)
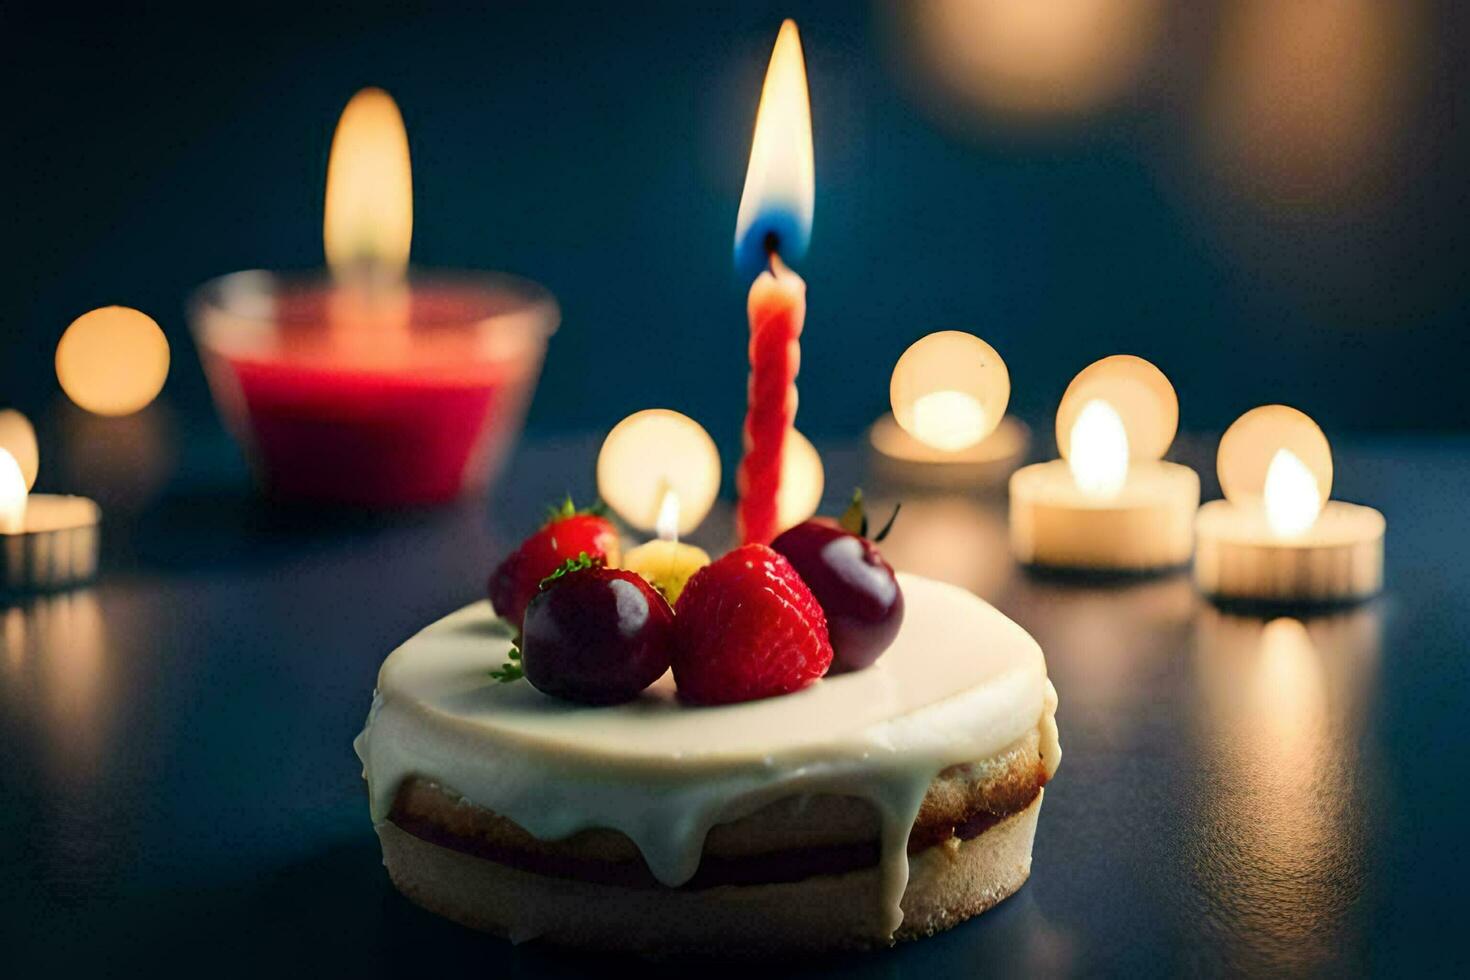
1306, 99
803, 479
650, 453
1034, 58
949, 390
112, 361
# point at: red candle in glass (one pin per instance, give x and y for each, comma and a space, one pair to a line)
775, 219
418, 409
370, 387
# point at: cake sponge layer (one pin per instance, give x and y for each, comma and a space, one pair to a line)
788, 839
947, 884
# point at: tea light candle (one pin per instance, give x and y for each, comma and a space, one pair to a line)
948, 427
47, 541
665, 561
1110, 503
661, 458
1277, 537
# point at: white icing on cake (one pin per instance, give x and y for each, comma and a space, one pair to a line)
961, 683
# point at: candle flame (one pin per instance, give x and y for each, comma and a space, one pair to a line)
12, 495
949, 420
776, 205
1293, 499
1098, 454
369, 212
18, 437
667, 522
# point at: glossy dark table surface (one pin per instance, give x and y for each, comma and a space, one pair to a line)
177, 783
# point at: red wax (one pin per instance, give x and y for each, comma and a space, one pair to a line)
777, 309
376, 404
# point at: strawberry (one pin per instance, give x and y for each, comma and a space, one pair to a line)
747, 627
567, 534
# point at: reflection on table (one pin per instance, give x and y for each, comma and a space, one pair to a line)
55, 670
1282, 706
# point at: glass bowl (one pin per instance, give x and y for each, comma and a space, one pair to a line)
384, 395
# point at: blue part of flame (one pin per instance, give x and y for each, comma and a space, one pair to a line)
791, 232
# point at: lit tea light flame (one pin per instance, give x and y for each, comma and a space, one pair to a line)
369, 210
665, 562
667, 523
1292, 498
1099, 451
949, 420
18, 437
12, 495
776, 205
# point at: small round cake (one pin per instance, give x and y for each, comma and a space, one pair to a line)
880, 805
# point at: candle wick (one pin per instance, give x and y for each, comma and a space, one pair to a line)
774, 265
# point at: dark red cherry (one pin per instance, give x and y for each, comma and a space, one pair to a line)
596, 636
856, 587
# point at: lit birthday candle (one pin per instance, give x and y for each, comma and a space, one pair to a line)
775, 220
666, 561
659, 471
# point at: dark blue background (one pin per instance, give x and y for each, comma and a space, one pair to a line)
600, 148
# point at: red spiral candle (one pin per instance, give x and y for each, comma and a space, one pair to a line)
776, 309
